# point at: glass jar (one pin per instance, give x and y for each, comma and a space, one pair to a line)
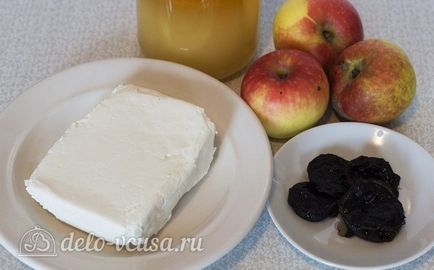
218, 37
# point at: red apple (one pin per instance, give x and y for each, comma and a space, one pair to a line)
288, 90
372, 81
322, 28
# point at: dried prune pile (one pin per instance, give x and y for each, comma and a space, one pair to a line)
363, 191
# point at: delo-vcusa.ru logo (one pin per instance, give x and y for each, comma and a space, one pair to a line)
37, 242
40, 242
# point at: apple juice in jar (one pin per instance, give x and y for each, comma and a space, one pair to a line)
218, 37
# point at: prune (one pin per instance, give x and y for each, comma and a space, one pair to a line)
374, 168
310, 204
371, 211
329, 174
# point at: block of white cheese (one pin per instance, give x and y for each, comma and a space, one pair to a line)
119, 172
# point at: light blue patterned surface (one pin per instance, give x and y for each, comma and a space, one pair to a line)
39, 38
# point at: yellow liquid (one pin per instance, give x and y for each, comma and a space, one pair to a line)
218, 37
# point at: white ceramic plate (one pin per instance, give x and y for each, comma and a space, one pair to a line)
350, 140
221, 209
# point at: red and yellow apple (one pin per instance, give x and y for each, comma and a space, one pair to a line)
372, 81
288, 90
322, 28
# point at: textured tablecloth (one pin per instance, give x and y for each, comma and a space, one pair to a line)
39, 38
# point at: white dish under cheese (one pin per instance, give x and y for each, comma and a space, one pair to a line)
119, 172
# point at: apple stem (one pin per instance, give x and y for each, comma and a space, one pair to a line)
355, 72
282, 75
328, 36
